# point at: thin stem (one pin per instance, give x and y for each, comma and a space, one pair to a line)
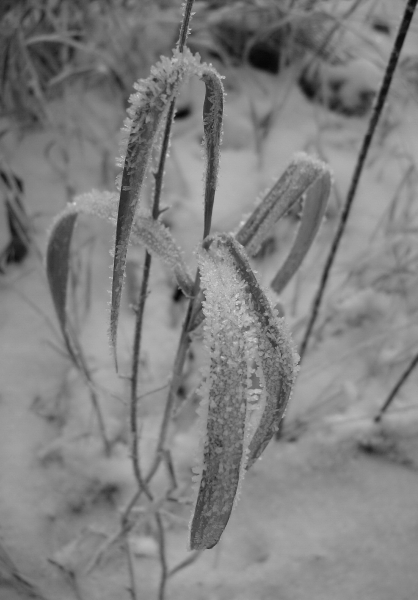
377, 110
143, 484
397, 387
180, 359
135, 370
184, 31
172, 393
80, 363
185, 563
133, 589
163, 556
158, 177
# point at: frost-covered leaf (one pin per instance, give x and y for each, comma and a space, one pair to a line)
276, 358
148, 107
146, 231
212, 124
158, 240
224, 400
246, 386
57, 268
302, 172
314, 207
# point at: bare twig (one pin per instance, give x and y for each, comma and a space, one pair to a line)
397, 387
193, 556
133, 589
163, 556
377, 110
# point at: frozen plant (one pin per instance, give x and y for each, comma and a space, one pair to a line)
251, 359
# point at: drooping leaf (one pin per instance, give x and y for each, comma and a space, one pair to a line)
158, 241
146, 231
148, 107
314, 207
57, 269
224, 401
212, 125
276, 357
302, 172
247, 384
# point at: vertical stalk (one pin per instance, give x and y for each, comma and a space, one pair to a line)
397, 387
143, 485
133, 589
158, 176
163, 556
377, 110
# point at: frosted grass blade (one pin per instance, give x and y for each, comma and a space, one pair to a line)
148, 107
314, 207
276, 357
223, 408
247, 386
158, 241
212, 125
301, 173
146, 231
57, 268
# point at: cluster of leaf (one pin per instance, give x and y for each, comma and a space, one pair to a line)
252, 362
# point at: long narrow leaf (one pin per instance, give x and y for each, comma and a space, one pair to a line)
276, 356
212, 124
145, 116
247, 385
301, 173
313, 211
224, 403
146, 231
158, 241
57, 268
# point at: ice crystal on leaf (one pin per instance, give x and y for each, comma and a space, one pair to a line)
149, 105
212, 126
300, 175
146, 231
141, 133
248, 382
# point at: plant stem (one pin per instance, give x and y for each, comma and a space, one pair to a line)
184, 30
180, 359
163, 557
135, 370
143, 485
158, 177
377, 110
133, 589
397, 387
